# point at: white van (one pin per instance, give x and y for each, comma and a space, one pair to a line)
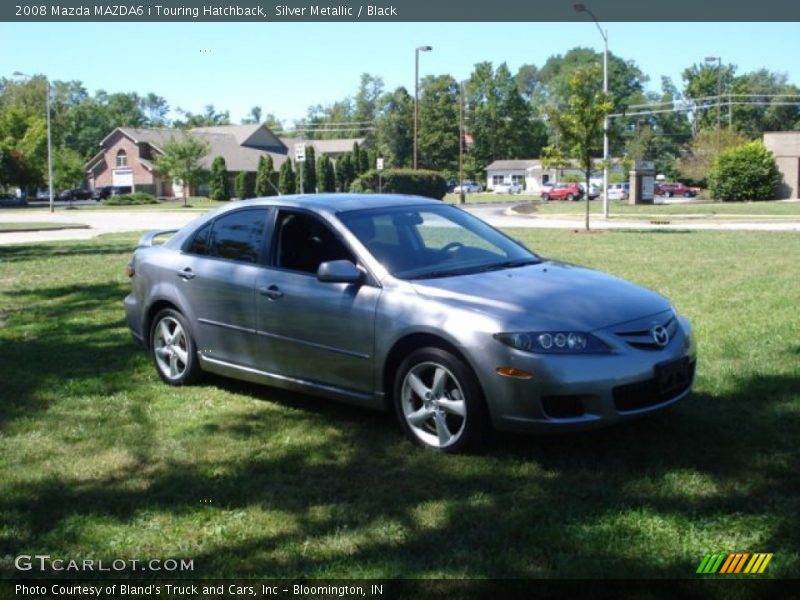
619, 191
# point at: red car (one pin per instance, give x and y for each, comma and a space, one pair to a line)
675, 189
563, 191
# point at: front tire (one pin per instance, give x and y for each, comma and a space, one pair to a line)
173, 349
439, 402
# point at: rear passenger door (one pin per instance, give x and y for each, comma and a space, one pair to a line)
218, 272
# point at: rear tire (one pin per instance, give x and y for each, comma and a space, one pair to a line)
173, 349
570, 198
439, 401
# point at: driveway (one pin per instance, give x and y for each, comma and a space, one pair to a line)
500, 215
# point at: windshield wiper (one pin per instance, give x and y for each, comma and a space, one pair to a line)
509, 264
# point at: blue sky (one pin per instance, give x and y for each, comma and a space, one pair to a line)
286, 67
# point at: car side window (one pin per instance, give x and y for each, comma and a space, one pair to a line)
199, 243
304, 242
238, 235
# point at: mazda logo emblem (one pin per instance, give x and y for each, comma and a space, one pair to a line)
660, 335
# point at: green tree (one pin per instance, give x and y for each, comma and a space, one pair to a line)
355, 158
747, 172
210, 117
264, 176
345, 173
68, 170
182, 161
500, 120
287, 180
218, 188
394, 128
703, 151
242, 185
702, 82
438, 126
326, 176
580, 125
254, 116
310, 171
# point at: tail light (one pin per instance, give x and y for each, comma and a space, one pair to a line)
130, 270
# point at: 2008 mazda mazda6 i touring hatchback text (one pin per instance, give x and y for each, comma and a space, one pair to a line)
405, 302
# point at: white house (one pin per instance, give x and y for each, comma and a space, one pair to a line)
531, 173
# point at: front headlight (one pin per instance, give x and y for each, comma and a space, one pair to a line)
554, 342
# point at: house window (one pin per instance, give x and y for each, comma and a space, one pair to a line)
122, 159
497, 179
519, 179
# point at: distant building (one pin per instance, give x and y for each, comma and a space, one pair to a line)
531, 174
785, 146
127, 155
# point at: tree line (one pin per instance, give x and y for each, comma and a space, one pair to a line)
506, 115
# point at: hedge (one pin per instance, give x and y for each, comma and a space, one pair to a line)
430, 184
130, 199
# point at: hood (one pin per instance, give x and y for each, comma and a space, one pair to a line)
547, 296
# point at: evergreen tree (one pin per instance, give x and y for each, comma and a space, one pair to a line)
310, 171
364, 164
242, 186
287, 180
218, 188
355, 158
326, 176
264, 176
345, 173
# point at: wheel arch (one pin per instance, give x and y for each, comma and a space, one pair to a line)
405, 346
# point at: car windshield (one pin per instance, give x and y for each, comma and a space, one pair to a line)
423, 242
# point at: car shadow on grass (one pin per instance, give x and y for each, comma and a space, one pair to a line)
646, 499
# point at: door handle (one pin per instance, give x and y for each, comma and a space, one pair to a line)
272, 292
186, 273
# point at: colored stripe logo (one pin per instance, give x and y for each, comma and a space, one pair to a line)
736, 562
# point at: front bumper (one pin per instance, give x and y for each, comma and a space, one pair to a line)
583, 391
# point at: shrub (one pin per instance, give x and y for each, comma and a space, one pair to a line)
264, 176
242, 185
747, 172
287, 180
430, 184
130, 199
326, 176
218, 188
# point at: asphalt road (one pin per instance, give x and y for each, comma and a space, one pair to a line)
500, 215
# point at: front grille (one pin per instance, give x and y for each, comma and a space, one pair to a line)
643, 338
563, 407
643, 394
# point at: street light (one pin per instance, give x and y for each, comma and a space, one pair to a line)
416, 94
49, 140
461, 134
582, 8
711, 59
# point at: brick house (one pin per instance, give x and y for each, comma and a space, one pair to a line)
127, 155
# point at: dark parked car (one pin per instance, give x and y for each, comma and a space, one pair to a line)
674, 189
563, 191
105, 191
75, 194
405, 303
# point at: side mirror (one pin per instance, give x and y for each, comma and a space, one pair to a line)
339, 271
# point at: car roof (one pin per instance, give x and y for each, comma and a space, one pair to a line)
336, 203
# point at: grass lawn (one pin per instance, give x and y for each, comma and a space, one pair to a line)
99, 459
23, 226
771, 210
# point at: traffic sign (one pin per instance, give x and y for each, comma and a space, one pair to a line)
300, 152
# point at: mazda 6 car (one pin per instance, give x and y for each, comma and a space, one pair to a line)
408, 304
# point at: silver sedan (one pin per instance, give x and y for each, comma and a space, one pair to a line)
409, 304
